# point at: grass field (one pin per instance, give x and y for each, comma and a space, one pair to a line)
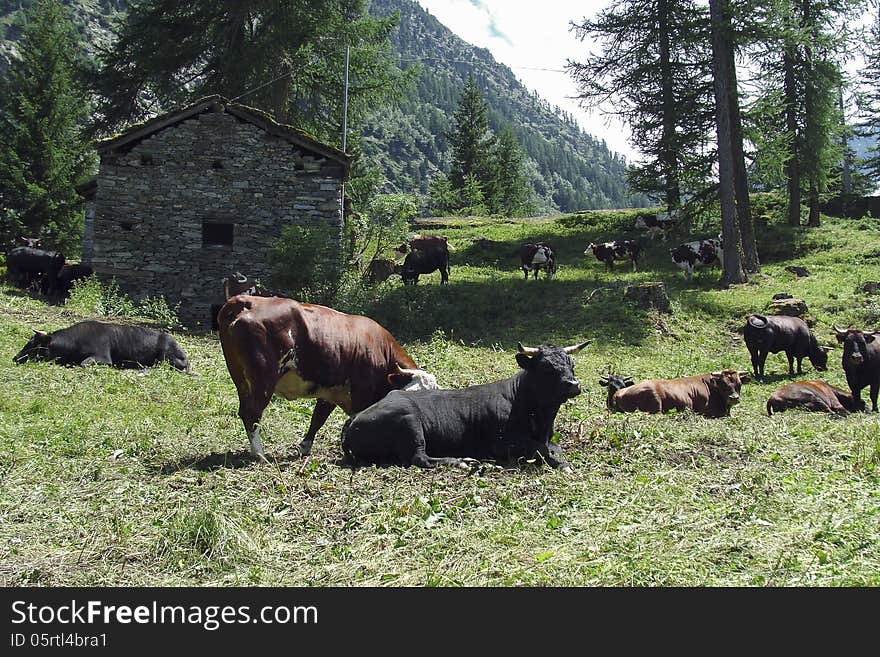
116, 478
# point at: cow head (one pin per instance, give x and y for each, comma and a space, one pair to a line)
819, 357
614, 382
591, 249
726, 384
33, 242
412, 380
37, 348
551, 369
855, 345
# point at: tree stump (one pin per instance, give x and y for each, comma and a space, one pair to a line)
651, 295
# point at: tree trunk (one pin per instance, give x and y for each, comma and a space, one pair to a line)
811, 127
722, 68
669, 154
813, 219
740, 178
792, 166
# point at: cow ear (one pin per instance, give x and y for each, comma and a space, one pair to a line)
841, 335
524, 360
869, 337
744, 376
717, 374
603, 382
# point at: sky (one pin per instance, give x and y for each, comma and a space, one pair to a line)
528, 37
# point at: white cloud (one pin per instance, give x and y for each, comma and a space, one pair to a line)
530, 38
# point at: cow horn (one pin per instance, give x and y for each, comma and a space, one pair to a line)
627, 379
742, 372
40, 333
717, 373
604, 379
531, 351
576, 348
839, 331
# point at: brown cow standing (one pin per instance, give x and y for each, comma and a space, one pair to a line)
812, 396
274, 345
711, 395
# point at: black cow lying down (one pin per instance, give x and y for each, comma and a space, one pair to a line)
91, 343
504, 421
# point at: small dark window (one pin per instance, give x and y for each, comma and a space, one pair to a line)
216, 234
146, 159
126, 225
217, 164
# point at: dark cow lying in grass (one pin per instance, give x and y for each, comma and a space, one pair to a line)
93, 343
861, 362
608, 252
505, 420
711, 395
813, 396
771, 334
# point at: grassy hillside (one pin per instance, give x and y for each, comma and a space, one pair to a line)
124, 478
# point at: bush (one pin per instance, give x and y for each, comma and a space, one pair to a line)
305, 261
107, 300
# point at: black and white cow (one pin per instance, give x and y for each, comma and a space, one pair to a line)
690, 255
608, 252
505, 420
535, 257
92, 343
656, 223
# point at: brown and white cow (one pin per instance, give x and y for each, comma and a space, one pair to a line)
711, 395
275, 345
813, 396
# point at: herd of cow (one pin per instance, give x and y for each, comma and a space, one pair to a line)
32, 268
398, 414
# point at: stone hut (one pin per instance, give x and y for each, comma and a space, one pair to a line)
191, 196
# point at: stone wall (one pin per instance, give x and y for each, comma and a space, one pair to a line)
152, 202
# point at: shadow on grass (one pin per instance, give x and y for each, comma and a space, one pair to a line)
216, 460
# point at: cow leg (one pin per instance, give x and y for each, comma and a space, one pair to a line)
444, 274
790, 357
320, 414
875, 388
635, 265
525, 273
96, 360
799, 361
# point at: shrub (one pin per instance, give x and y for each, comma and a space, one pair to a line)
106, 300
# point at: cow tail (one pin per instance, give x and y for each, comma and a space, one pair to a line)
770, 407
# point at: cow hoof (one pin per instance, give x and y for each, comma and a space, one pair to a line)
566, 469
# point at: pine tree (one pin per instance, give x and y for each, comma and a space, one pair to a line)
869, 98
511, 192
42, 151
470, 140
654, 71
286, 57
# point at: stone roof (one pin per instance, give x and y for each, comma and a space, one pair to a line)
129, 138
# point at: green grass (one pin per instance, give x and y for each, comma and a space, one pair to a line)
119, 478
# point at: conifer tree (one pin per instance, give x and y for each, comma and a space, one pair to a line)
470, 139
42, 151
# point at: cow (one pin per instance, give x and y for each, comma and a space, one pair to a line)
656, 223
861, 362
504, 420
425, 261
535, 257
813, 396
608, 252
690, 255
380, 270
711, 395
238, 283
774, 333
614, 382
424, 243
26, 265
104, 343
275, 345
58, 285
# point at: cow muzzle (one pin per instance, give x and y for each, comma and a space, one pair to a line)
573, 388
856, 358
733, 399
